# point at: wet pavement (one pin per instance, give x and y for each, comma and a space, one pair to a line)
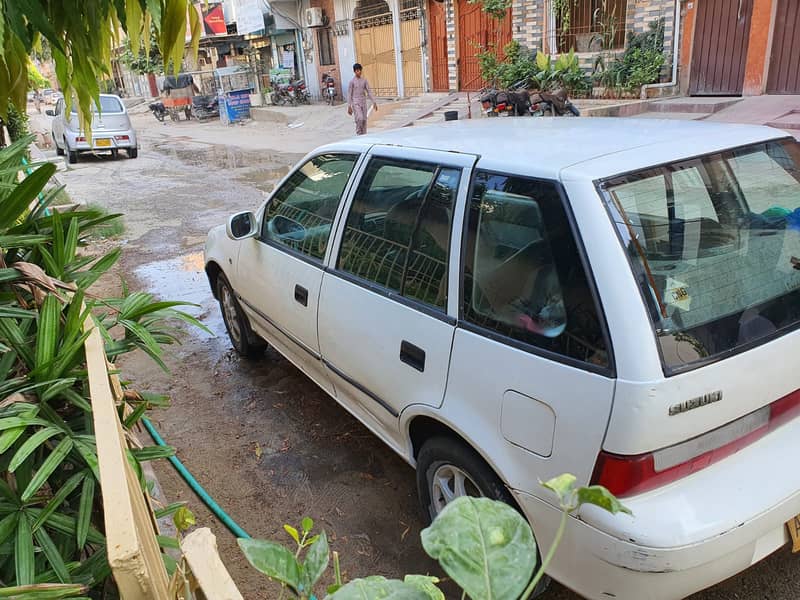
266, 443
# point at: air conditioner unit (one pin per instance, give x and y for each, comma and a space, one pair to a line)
314, 17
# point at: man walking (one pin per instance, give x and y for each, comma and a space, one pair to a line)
357, 93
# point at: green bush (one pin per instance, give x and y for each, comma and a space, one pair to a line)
17, 123
640, 64
539, 71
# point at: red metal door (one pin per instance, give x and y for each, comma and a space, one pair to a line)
438, 43
477, 31
784, 62
720, 47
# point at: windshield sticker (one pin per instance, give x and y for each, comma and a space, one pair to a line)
677, 294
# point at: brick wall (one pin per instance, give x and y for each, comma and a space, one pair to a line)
527, 24
452, 66
642, 12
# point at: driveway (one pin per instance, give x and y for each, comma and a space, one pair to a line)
266, 443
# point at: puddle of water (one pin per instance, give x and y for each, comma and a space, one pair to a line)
212, 156
184, 279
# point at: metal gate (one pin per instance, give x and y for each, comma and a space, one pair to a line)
719, 55
477, 31
784, 61
411, 42
375, 51
437, 26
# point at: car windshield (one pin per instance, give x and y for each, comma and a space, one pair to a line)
715, 245
108, 104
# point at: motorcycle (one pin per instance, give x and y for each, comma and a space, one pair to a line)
496, 103
282, 93
301, 93
556, 103
159, 110
516, 101
328, 88
205, 107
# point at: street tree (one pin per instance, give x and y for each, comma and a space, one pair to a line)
80, 35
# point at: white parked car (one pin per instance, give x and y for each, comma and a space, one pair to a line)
111, 129
503, 301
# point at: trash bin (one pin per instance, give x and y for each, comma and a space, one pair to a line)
451, 115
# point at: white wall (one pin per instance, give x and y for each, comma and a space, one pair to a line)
345, 44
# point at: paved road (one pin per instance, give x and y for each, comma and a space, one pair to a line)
267, 444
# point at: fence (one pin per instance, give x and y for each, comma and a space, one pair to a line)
131, 527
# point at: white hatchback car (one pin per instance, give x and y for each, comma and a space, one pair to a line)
502, 301
111, 129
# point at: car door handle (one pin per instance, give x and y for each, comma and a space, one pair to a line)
301, 295
413, 356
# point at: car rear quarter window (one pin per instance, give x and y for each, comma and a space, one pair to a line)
397, 234
523, 277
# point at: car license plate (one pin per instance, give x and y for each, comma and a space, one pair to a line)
794, 532
103, 143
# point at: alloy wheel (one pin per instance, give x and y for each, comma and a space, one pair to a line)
448, 483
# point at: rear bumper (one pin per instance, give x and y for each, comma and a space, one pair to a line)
685, 536
103, 140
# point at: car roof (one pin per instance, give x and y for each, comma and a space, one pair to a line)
546, 146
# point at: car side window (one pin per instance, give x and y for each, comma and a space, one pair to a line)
397, 234
523, 277
59, 107
301, 212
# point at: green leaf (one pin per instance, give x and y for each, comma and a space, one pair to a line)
9, 422
316, 562
135, 415
66, 525
273, 560
14, 312
8, 525
600, 496
427, 584
292, 532
43, 591
85, 511
50, 464
563, 486
49, 327
378, 588
486, 546
24, 194
183, 518
153, 453
169, 510
65, 490
542, 61
166, 541
89, 454
23, 552
9, 436
53, 555
307, 524
31, 444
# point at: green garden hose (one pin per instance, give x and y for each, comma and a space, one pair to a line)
196, 487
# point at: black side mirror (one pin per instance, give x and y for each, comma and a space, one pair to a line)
50, 112
242, 225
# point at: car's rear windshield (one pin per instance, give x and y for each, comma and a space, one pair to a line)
108, 104
715, 245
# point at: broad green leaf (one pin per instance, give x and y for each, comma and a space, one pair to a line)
9, 436
166, 541
292, 532
183, 518
486, 546
89, 455
66, 525
31, 444
14, 312
52, 554
542, 61
600, 496
427, 584
273, 560
85, 511
378, 588
24, 562
49, 328
50, 464
307, 524
316, 562
563, 486
17, 202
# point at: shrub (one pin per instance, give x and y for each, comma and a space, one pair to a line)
639, 65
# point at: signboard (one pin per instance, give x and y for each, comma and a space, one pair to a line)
248, 16
212, 18
234, 106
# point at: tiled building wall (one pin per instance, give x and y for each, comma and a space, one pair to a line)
528, 21
642, 12
452, 66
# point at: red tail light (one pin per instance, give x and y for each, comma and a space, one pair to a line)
501, 107
630, 475
291, 88
80, 138
121, 138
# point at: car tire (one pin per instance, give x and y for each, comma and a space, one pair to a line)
443, 456
59, 150
72, 155
115, 154
244, 341
133, 152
